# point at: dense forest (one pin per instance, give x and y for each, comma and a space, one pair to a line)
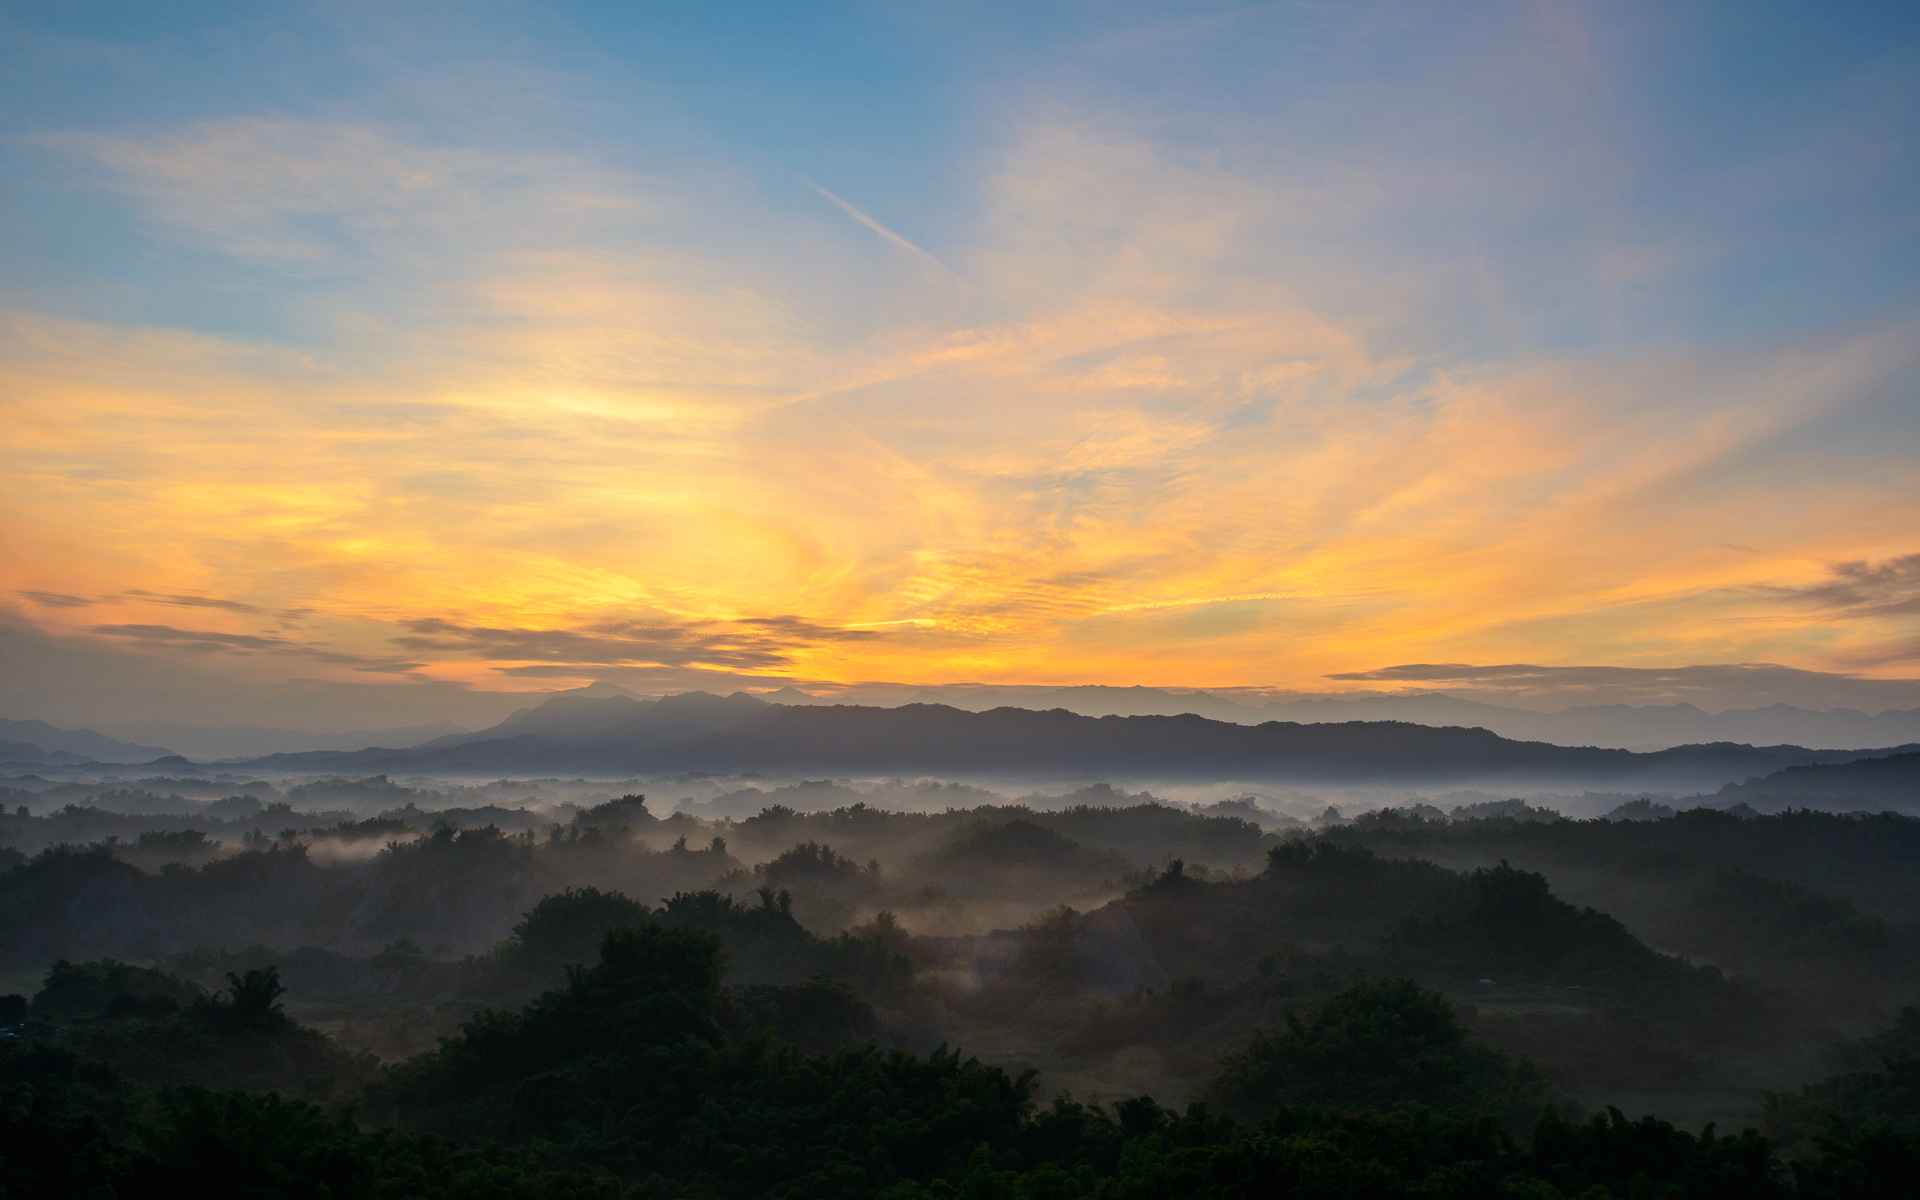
339, 988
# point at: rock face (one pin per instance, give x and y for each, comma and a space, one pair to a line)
1112, 954
973, 961
454, 907
311, 973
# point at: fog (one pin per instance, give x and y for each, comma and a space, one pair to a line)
1119, 936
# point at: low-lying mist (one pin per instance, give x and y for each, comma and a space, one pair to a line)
1120, 937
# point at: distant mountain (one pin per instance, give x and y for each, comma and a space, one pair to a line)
1097, 700
1873, 783
82, 745
216, 742
793, 695
1619, 726
1626, 726
572, 731
209, 742
26, 752
936, 739
569, 716
617, 735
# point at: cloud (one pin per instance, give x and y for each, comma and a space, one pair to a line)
807, 631
305, 192
752, 644
1890, 587
56, 599
195, 601
206, 641
1713, 686
194, 639
1883, 654
918, 255
90, 680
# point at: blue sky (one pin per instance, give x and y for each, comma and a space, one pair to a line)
1752, 162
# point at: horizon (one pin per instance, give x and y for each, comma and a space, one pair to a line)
1636, 728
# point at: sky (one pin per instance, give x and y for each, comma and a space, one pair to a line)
396, 356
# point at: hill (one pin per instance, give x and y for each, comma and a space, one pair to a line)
1892, 782
54, 744
1623, 726
739, 733
917, 738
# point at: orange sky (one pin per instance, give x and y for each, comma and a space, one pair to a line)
1079, 498
536, 415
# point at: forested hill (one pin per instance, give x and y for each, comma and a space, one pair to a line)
1892, 781
931, 737
696, 732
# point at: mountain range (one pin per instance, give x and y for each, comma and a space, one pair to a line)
39, 742
1870, 783
246, 741
1620, 726
605, 730
1617, 726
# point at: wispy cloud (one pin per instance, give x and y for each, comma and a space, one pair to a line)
203, 641
755, 645
1236, 400
195, 639
1713, 686
1890, 587
55, 599
920, 256
195, 601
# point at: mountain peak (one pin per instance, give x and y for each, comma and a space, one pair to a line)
789, 695
601, 687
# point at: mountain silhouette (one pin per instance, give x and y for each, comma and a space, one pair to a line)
1875, 783
1623, 726
33, 741
617, 734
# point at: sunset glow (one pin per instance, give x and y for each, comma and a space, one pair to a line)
1212, 348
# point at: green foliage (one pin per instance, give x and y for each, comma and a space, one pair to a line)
1755, 919
1017, 843
63, 1071
1855, 1101
175, 841
622, 1083
567, 927
486, 844
629, 811
88, 989
1372, 1046
1515, 929
1649, 1157
653, 988
629, 1060
816, 863
401, 952
34, 897
820, 1015
1142, 833
1860, 1165
252, 1004
234, 1144
241, 1039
